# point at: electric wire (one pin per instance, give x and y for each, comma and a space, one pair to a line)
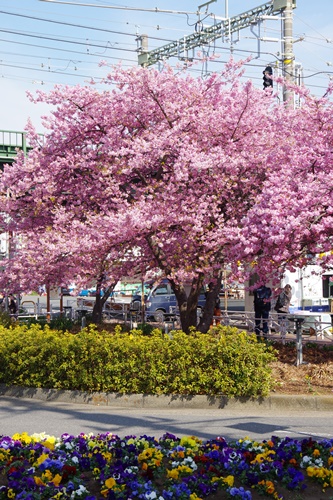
70, 51
107, 46
82, 26
44, 37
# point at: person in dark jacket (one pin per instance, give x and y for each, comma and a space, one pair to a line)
282, 308
262, 306
12, 304
283, 302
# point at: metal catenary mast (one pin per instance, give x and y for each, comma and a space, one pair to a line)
180, 48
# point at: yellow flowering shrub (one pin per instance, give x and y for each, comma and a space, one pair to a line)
224, 361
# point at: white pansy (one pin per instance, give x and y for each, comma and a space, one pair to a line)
151, 496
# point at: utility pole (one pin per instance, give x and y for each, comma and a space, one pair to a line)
288, 57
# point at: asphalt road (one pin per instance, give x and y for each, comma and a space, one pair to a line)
56, 418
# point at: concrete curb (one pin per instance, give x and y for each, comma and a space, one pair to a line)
273, 402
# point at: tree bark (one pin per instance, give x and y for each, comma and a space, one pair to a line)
100, 301
208, 311
188, 304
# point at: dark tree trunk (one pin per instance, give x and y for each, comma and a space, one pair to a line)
208, 311
188, 304
100, 301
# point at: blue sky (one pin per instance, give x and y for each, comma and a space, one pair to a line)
43, 44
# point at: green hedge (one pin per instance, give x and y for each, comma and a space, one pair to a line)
221, 362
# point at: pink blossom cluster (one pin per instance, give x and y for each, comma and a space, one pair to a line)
164, 172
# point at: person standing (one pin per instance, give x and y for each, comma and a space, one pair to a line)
12, 305
282, 308
262, 307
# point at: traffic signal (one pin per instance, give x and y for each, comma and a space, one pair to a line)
267, 79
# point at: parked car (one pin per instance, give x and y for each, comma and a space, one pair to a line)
136, 296
161, 300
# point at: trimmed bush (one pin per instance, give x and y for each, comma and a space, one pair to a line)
224, 361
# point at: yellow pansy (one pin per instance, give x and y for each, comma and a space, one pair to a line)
50, 442
229, 480
4, 454
110, 483
24, 437
57, 479
172, 474
263, 456
184, 469
190, 442
38, 481
107, 455
41, 459
47, 475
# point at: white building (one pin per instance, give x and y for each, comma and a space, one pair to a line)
311, 289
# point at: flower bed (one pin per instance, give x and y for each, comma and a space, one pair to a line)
106, 466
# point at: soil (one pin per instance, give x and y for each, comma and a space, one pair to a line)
314, 376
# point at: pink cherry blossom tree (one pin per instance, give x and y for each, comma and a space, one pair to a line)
291, 223
161, 169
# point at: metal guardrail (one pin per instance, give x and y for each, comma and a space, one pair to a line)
298, 327
10, 142
281, 324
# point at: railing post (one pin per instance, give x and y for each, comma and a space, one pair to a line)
24, 143
299, 345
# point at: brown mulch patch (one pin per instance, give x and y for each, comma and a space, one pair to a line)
315, 376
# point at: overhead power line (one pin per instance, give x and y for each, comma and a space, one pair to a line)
43, 37
68, 24
46, 70
139, 9
68, 46
81, 26
70, 51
